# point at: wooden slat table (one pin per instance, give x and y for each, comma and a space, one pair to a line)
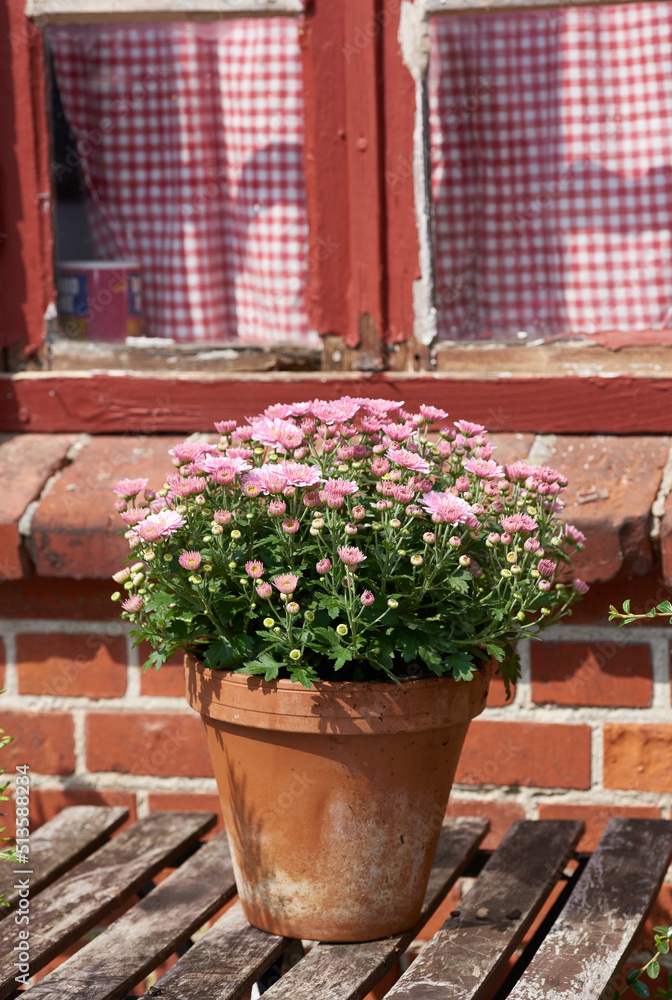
576, 952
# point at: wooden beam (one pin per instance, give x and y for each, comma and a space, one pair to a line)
495, 6
91, 11
106, 403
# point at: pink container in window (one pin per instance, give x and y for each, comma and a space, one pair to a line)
99, 299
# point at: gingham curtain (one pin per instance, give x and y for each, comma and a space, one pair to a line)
190, 139
551, 142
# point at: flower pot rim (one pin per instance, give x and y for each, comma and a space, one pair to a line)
337, 707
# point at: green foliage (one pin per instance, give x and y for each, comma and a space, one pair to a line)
662, 936
426, 590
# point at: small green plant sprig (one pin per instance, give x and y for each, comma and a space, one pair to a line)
7, 854
346, 540
628, 617
662, 936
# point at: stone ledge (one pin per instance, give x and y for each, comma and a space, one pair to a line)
614, 483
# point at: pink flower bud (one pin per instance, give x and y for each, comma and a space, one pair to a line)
323, 566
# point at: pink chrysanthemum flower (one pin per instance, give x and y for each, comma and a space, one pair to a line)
128, 488
400, 432
264, 590
403, 493
190, 451
133, 603
532, 545
340, 487
312, 499
572, 533
345, 452
276, 432
358, 512
338, 412
225, 426
222, 516
266, 479
351, 555
323, 566
276, 508
547, 475
380, 466
190, 560
518, 522
239, 453
135, 515
159, 525
547, 567
286, 583
186, 486
580, 585
544, 585
371, 425
484, 468
432, 413
299, 474
290, 526
408, 460
230, 463
469, 429
254, 568
367, 598
446, 507
518, 470
378, 407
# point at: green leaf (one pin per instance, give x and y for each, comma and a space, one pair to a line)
633, 976
626, 606
334, 605
661, 930
264, 664
663, 945
665, 608
641, 989
221, 654
653, 969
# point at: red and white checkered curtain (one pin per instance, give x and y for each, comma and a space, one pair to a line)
551, 139
190, 140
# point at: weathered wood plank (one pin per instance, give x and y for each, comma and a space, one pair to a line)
464, 958
61, 843
51, 11
153, 354
61, 913
493, 6
146, 935
587, 945
223, 964
113, 403
350, 971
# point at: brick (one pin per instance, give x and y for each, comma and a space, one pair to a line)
666, 540
637, 756
195, 802
168, 681
537, 754
75, 525
497, 693
592, 673
595, 817
91, 666
157, 743
502, 816
2, 665
45, 803
43, 740
613, 482
660, 915
510, 447
26, 463
78, 600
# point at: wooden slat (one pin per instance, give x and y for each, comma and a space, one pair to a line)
95, 887
590, 939
52, 11
61, 843
467, 954
350, 971
146, 935
493, 6
223, 964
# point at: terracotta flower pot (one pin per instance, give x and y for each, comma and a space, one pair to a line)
333, 796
